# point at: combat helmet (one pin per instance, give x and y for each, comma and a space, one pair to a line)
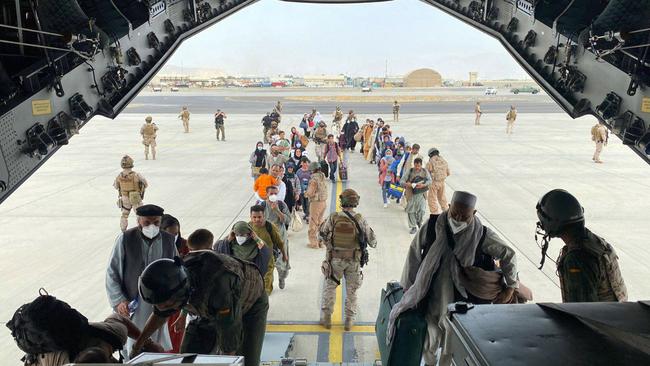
433, 152
164, 280
314, 166
148, 119
127, 162
557, 209
349, 198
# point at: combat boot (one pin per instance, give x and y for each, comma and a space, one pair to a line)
348, 323
326, 320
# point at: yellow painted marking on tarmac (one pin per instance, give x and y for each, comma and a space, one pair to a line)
315, 328
336, 333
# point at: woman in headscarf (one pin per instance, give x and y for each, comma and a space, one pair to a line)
350, 128
296, 155
317, 120
304, 124
294, 189
258, 159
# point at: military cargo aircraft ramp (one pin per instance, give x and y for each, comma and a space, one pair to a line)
59, 228
63, 62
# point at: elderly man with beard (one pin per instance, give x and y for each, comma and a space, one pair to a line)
458, 266
133, 251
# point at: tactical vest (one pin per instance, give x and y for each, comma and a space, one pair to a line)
321, 192
149, 130
320, 134
511, 116
128, 183
345, 235
611, 286
133, 261
438, 168
185, 115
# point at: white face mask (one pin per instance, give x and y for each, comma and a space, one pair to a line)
273, 198
457, 226
259, 148
241, 239
150, 231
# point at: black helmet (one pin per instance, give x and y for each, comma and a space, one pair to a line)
557, 209
163, 280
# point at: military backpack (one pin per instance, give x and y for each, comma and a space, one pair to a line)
48, 324
345, 235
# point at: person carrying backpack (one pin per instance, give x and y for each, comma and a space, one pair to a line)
346, 236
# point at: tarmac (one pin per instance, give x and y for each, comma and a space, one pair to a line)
301, 100
60, 226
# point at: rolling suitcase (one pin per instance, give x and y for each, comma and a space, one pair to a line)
411, 328
343, 172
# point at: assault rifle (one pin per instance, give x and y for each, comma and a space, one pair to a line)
363, 240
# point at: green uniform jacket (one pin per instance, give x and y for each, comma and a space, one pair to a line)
225, 289
589, 271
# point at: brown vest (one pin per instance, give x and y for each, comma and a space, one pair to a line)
134, 263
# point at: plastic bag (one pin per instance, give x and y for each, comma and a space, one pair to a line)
296, 222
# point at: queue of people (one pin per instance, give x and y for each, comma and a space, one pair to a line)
156, 280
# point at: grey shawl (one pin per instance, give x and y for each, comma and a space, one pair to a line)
466, 243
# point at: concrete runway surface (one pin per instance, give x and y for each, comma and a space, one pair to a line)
412, 101
60, 226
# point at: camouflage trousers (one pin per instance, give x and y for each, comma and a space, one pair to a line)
316, 212
186, 125
125, 205
599, 149
437, 199
350, 270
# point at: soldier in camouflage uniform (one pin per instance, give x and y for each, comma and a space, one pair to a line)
396, 108
439, 169
130, 186
225, 293
336, 122
587, 265
185, 117
148, 132
342, 240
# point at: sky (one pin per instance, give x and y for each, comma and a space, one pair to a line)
273, 37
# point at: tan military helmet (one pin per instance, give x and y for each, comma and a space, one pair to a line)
349, 198
148, 119
314, 166
127, 162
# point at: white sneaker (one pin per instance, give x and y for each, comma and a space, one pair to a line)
385, 205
